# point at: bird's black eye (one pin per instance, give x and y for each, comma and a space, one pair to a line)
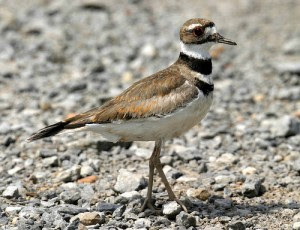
198, 31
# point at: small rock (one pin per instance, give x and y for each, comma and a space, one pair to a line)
119, 211
91, 218
148, 50
296, 226
11, 192
88, 180
15, 170
285, 126
227, 159
223, 203
288, 67
12, 210
171, 172
107, 207
128, 181
236, 226
166, 160
50, 161
200, 193
249, 171
71, 209
225, 179
252, 187
86, 170
130, 196
44, 153
70, 196
292, 46
69, 175
296, 218
142, 223
171, 209
185, 220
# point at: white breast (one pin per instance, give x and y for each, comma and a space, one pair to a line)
151, 129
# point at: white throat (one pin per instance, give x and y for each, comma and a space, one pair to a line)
196, 50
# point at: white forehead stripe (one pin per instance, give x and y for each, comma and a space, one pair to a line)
210, 30
192, 26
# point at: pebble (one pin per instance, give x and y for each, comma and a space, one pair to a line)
296, 226
130, 196
142, 223
200, 193
249, 171
86, 170
284, 126
292, 46
171, 209
227, 159
11, 192
238, 225
12, 210
91, 218
185, 220
69, 175
51, 161
223, 203
128, 181
288, 67
296, 217
252, 187
107, 207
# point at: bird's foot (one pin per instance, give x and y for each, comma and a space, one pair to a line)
148, 204
181, 204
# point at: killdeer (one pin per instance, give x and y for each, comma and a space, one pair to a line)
159, 107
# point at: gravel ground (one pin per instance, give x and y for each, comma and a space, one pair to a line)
239, 169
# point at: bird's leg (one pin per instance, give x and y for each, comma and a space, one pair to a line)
163, 177
147, 202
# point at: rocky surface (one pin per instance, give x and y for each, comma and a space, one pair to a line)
239, 169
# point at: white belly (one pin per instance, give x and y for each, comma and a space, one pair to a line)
151, 129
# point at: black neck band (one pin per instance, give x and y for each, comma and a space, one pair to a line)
203, 66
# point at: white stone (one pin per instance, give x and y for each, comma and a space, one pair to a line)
249, 171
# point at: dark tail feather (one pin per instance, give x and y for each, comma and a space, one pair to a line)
48, 131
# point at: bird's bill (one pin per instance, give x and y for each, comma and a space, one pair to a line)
220, 39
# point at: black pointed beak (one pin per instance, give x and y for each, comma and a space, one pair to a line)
220, 39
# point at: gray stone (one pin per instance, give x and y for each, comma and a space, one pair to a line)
11, 192
171, 209
292, 46
285, 126
128, 181
69, 175
252, 187
288, 67
223, 203
71, 209
70, 196
119, 211
238, 225
142, 223
130, 196
86, 170
107, 207
45, 153
296, 226
296, 217
91, 218
185, 219
51, 161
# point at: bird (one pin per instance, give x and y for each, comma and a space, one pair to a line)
159, 107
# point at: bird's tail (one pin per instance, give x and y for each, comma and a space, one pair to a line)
48, 131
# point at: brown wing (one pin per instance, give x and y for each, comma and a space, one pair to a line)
156, 95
